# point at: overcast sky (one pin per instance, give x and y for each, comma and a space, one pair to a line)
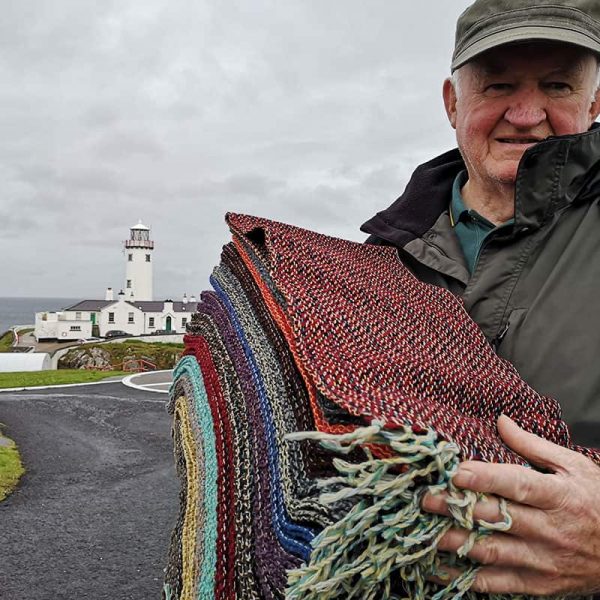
312, 112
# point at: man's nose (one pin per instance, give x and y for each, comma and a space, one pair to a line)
527, 109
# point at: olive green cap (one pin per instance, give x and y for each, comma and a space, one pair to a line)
490, 23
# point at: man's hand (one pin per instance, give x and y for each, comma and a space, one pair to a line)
553, 546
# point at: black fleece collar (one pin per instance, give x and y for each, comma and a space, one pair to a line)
554, 172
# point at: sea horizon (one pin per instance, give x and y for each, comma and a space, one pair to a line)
20, 310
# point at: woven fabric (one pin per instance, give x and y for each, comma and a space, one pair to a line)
206, 328
324, 391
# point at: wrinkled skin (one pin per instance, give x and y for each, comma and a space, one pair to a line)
508, 100
553, 545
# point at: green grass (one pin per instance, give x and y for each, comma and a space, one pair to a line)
34, 378
6, 342
11, 469
7, 338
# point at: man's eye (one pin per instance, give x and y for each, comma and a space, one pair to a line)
498, 87
557, 86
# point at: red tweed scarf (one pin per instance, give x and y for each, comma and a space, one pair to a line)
378, 343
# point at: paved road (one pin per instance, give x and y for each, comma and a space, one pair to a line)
93, 515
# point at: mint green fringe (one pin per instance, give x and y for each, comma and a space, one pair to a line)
167, 594
386, 537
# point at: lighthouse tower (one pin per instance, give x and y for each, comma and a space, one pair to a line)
138, 256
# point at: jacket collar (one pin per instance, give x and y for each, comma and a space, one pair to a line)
555, 172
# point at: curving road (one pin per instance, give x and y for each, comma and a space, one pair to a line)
93, 515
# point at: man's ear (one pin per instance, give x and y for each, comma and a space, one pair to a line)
595, 107
449, 94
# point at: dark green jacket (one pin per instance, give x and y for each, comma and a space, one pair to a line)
535, 290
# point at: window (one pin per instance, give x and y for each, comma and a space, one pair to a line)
111, 317
130, 257
147, 258
78, 316
75, 327
130, 317
183, 321
129, 283
150, 321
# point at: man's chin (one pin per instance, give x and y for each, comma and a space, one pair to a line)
507, 173
508, 179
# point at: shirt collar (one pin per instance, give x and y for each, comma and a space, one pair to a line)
459, 213
458, 210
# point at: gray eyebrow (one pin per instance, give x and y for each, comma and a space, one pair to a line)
489, 68
572, 69
492, 69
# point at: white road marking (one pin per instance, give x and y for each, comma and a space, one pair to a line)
50, 387
147, 387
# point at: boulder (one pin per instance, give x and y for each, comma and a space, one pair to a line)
85, 358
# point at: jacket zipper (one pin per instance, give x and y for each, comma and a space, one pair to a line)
498, 339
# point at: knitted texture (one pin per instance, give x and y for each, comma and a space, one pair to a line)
324, 391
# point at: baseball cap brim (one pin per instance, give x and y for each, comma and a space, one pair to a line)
523, 34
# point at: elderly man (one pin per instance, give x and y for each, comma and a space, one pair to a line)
510, 222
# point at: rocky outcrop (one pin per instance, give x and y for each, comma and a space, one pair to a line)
86, 358
130, 356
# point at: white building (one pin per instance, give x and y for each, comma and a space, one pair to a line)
134, 311
11, 362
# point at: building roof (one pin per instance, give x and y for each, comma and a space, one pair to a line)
143, 305
190, 307
91, 305
147, 305
159, 305
140, 225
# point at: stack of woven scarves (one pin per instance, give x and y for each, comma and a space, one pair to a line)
323, 391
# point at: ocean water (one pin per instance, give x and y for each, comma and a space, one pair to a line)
21, 311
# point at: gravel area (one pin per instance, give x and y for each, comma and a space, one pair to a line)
92, 516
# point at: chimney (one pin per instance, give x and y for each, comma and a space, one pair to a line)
185, 298
121, 296
109, 294
193, 299
168, 305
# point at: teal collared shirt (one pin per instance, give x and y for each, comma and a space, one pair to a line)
470, 227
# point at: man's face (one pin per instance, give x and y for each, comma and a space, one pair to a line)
515, 96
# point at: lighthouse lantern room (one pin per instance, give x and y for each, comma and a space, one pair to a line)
138, 271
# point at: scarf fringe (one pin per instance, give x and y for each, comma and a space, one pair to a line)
386, 538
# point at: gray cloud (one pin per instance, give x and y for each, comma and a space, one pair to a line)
175, 112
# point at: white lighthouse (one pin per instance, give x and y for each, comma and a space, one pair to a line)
138, 272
